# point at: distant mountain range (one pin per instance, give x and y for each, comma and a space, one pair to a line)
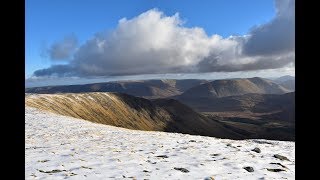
171, 87
253, 107
142, 88
233, 87
230, 108
284, 78
287, 82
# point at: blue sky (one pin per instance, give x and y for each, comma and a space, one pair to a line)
49, 21
254, 38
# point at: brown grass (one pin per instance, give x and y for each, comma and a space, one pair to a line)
104, 108
130, 112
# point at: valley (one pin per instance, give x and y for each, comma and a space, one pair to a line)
231, 108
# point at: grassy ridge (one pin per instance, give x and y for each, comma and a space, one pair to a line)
131, 112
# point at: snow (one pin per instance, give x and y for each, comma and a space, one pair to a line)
91, 98
59, 147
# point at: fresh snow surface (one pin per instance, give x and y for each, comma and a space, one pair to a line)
59, 147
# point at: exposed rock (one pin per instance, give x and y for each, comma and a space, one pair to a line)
275, 170
280, 165
182, 169
162, 156
282, 158
53, 171
209, 178
214, 154
249, 169
72, 174
261, 141
257, 150
86, 167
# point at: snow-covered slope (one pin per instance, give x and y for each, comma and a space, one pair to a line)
59, 147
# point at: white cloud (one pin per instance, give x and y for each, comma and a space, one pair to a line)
154, 43
63, 50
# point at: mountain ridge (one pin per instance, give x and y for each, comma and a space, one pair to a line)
131, 112
142, 88
232, 87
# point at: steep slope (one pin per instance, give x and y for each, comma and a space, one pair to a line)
286, 81
143, 88
187, 119
268, 116
131, 112
289, 84
233, 87
284, 78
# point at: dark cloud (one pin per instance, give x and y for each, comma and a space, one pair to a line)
56, 70
63, 49
212, 64
277, 36
153, 43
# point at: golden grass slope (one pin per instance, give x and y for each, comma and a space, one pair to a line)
105, 108
131, 112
